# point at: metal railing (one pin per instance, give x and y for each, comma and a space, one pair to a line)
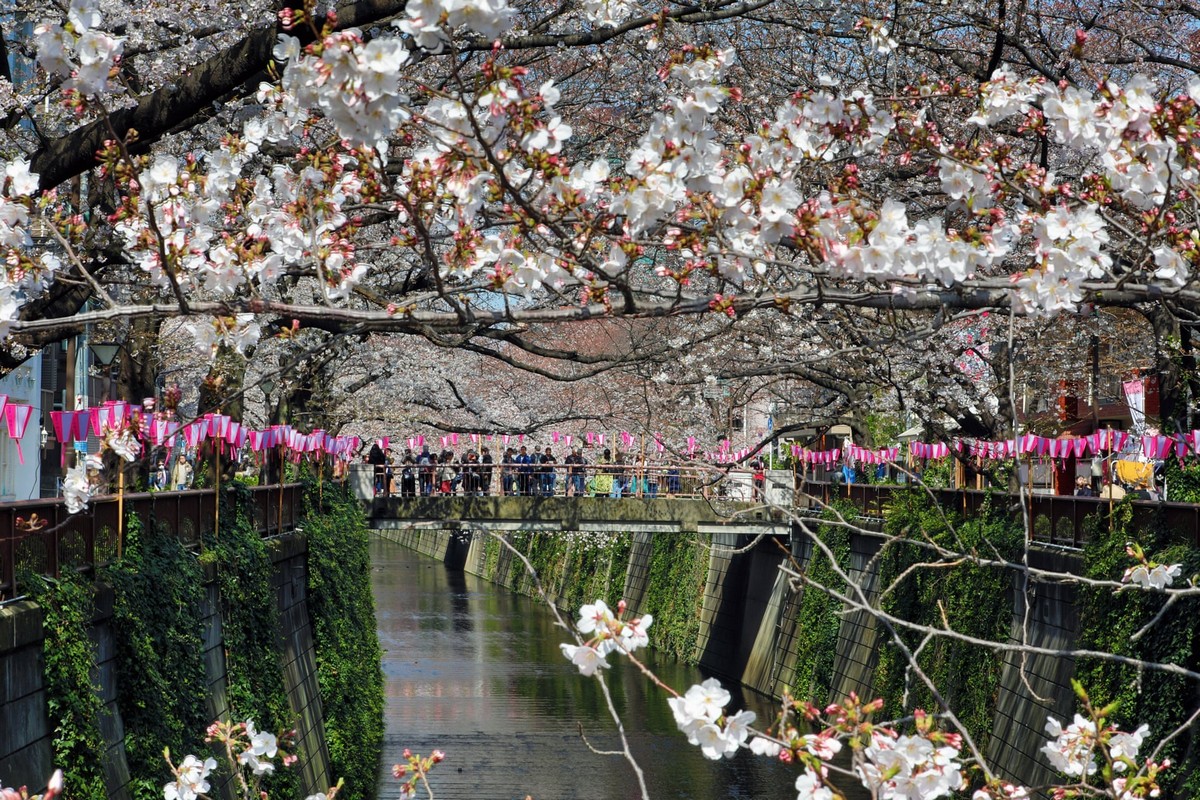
689, 480
1057, 520
41, 537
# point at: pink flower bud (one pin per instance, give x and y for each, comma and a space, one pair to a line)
55, 786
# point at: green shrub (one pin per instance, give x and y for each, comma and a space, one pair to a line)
675, 592
1109, 621
251, 626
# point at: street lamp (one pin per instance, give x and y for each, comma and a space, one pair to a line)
105, 354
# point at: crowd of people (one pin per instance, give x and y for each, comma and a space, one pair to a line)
519, 471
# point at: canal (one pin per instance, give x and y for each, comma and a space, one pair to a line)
475, 670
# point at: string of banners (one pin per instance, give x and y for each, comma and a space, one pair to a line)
223, 432
1029, 444
1100, 443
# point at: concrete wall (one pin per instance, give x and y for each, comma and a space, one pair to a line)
26, 756
290, 580
1053, 622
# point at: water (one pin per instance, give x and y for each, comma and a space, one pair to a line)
475, 671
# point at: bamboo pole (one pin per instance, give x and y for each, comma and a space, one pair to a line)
217, 491
120, 511
279, 452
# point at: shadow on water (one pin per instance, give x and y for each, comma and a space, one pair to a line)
476, 671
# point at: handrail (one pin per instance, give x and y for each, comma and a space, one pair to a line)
42, 537
1056, 520
686, 480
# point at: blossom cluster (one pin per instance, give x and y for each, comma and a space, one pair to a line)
606, 632
80, 51
415, 770
902, 766
700, 714
54, 788
1074, 748
1149, 574
251, 751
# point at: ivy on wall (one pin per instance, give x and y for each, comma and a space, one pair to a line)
818, 614
72, 700
1183, 481
250, 625
1109, 622
158, 599
158, 605
675, 594
342, 613
968, 677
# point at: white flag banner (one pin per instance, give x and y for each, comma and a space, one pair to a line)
1135, 396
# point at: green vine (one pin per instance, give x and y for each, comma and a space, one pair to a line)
1183, 481
158, 600
818, 615
1108, 621
967, 676
73, 701
674, 594
342, 612
251, 626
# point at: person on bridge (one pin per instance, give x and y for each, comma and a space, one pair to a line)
508, 473
576, 474
425, 469
620, 486
759, 478
524, 464
548, 475
485, 472
181, 475
470, 473
378, 460
408, 474
446, 473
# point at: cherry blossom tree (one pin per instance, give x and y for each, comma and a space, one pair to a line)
624, 199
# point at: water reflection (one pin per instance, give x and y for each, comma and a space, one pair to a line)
476, 671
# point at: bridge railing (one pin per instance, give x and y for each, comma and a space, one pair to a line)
687, 480
40, 537
1058, 520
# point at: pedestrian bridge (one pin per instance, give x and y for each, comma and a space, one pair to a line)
630, 514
